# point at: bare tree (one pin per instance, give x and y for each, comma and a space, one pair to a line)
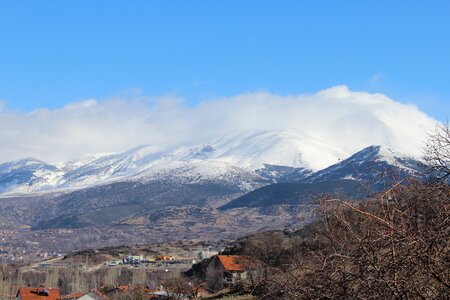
394, 246
437, 151
181, 287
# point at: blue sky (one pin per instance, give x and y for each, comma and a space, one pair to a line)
56, 52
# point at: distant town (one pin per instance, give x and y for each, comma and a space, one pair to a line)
160, 268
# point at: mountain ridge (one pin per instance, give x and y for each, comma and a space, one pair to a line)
256, 154
189, 192
368, 171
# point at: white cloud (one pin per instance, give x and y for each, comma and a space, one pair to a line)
376, 78
343, 118
81, 105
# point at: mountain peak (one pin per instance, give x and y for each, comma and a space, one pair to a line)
253, 148
26, 162
371, 160
379, 152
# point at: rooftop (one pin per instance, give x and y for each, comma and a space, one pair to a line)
38, 294
236, 263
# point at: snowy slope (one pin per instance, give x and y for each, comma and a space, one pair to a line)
24, 172
254, 148
245, 159
370, 170
372, 165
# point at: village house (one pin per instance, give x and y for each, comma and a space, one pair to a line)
26, 293
225, 269
164, 258
92, 295
201, 255
126, 290
122, 289
134, 259
115, 262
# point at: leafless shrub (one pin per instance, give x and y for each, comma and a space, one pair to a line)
437, 152
394, 246
181, 287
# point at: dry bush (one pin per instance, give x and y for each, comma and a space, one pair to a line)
395, 246
180, 287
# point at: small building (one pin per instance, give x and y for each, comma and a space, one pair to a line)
92, 296
115, 262
225, 269
133, 259
201, 255
164, 258
125, 292
26, 293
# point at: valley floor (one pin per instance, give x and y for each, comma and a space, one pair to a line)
194, 224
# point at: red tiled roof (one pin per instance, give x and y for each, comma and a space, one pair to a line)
38, 294
234, 263
124, 288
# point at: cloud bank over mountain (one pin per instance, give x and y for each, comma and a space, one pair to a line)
341, 118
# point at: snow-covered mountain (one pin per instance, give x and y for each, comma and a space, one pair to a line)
22, 173
370, 170
250, 169
377, 165
246, 159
